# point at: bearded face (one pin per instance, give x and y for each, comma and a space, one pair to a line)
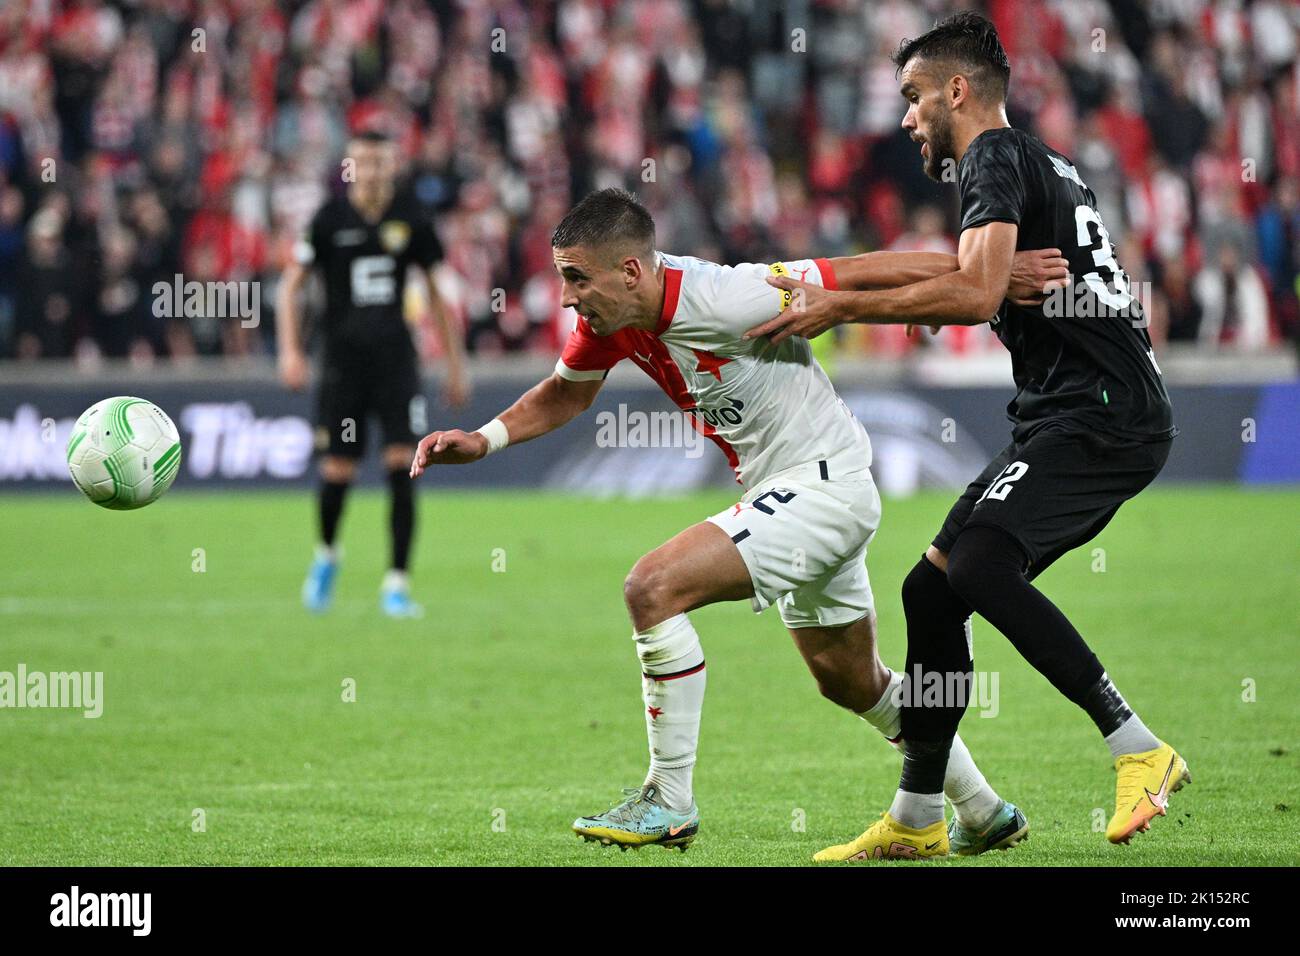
938, 145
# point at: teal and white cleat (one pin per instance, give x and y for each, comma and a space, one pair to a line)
1007, 827
318, 589
396, 602
640, 821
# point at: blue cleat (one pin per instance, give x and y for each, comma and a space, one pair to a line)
395, 598
318, 589
1007, 827
640, 821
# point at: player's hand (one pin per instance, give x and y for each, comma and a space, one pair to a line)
453, 447
293, 370
934, 330
1035, 273
812, 311
456, 390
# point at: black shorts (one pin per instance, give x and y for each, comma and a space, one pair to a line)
1055, 491
353, 388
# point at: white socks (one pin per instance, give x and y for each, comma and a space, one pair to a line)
672, 688
917, 810
973, 800
887, 713
1131, 737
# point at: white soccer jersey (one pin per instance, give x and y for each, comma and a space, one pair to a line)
768, 407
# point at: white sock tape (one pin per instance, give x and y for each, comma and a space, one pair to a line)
671, 642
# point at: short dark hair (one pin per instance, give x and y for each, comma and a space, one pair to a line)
603, 217
970, 41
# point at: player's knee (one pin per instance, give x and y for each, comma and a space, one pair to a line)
965, 575
923, 584
930, 602
338, 470
398, 457
836, 683
648, 592
981, 557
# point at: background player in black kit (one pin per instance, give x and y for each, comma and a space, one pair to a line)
1092, 426
364, 244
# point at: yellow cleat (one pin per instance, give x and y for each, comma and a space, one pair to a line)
890, 840
1142, 790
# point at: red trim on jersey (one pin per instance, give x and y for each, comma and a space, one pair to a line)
585, 351
672, 291
648, 352
828, 274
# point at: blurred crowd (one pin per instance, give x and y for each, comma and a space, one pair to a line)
144, 139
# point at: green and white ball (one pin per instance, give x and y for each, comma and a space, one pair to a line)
124, 453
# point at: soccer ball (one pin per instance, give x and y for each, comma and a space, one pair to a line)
124, 453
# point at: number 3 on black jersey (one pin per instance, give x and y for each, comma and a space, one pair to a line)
1103, 256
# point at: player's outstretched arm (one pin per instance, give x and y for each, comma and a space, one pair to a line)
1034, 272
968, 296
546, 406
889, 270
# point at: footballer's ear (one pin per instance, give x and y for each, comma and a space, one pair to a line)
632, 272
958, 90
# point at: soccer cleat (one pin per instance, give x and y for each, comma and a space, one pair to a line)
318, 589
396, 602
890, 840
640, 820
1005, 829
1142, 790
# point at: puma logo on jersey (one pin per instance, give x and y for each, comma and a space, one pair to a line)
1065, 170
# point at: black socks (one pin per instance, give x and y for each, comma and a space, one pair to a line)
401, 516
331, 508
936, 644
986, 567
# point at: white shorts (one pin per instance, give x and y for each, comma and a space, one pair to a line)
804, 542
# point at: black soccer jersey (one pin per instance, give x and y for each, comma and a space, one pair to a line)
365, 265
1083, 356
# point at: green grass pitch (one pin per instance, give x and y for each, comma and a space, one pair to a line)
480, 732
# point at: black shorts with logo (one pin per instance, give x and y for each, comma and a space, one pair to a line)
1055, 491
357, 385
